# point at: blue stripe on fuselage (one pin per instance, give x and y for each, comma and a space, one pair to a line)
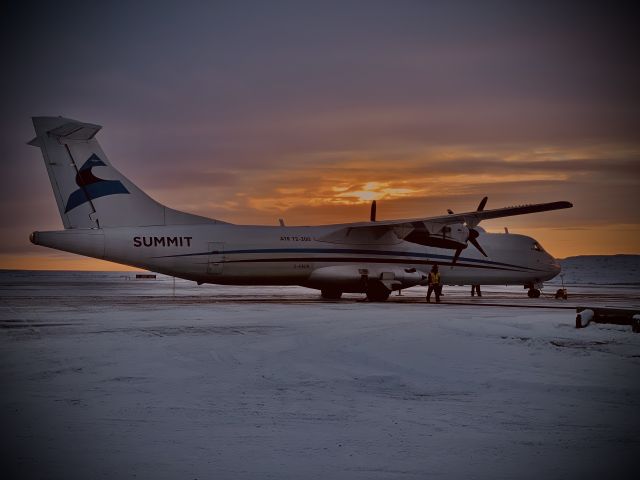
350, 251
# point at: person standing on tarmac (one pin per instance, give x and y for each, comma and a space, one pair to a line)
434, 283
475, 289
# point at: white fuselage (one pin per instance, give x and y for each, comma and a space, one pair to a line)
106, 216
265, 255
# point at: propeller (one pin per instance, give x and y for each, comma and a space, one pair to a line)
473, 236
455, 256
373, 211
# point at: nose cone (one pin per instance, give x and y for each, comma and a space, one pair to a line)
553, 267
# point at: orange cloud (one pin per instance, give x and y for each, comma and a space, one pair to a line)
353, 177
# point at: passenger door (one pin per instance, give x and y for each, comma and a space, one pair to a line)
216, 258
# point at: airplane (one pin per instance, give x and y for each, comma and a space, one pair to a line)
106, 216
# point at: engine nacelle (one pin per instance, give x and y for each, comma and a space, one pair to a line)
452, 236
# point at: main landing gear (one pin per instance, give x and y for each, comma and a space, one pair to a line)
374, 294
378, 293
331, 294
533, 293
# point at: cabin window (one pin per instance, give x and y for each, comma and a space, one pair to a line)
537, 247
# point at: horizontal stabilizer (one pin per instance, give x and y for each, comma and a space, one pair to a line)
76, 131
73, 130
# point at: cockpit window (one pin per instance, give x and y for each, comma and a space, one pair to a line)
537, 247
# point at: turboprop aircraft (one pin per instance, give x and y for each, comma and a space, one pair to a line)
106, 216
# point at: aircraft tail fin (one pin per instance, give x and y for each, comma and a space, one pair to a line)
89, 191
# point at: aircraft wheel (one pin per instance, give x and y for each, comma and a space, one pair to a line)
379, 294
331, 294
533, 293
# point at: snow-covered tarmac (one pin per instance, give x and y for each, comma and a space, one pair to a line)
106, 377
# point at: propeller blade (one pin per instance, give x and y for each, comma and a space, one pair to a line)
473, 235
483, 202
373, 211
456, 256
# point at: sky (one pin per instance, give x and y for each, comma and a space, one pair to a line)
253, 111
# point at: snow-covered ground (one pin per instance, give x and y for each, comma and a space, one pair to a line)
104, 376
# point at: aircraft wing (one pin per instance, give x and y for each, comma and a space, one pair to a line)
446, 231
472, 219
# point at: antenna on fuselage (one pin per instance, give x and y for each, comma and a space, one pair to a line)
373, 211
281, 221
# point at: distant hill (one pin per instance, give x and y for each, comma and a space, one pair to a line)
601, 270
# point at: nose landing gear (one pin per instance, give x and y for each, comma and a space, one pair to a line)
534, 289
533, 293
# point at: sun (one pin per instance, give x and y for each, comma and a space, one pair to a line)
370, 191
367, 196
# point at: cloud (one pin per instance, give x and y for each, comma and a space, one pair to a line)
417, 182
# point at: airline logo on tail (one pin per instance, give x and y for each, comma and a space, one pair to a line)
92, 187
